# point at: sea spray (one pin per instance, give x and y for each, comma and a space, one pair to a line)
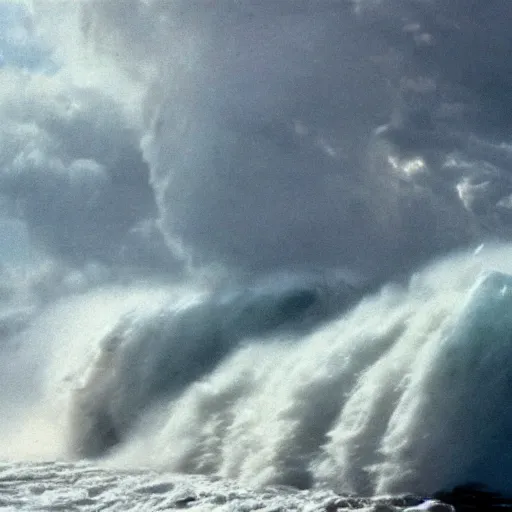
362, 400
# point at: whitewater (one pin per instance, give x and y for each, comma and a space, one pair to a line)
255, 255
278, 386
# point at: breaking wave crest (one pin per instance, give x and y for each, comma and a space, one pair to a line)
299, 380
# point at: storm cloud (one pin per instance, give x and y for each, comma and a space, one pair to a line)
368, 135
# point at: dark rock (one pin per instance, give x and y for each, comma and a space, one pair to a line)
474, 497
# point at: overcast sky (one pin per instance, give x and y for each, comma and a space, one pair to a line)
16, 49
254, 136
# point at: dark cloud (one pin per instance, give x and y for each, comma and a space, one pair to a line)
264, 152
366, 134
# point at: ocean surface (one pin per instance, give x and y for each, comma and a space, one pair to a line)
85, 487
255, 254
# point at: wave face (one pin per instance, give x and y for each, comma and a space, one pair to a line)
295, 380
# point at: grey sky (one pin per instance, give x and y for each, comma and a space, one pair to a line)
309, 134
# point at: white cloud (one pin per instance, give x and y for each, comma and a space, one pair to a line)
71, 167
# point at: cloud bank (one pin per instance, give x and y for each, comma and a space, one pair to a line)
262, 137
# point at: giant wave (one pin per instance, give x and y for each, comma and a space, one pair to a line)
296, 380
217, 223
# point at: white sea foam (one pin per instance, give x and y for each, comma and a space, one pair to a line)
406, 391
88, 488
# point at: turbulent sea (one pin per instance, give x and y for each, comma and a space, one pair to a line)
255, 255
296, 383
